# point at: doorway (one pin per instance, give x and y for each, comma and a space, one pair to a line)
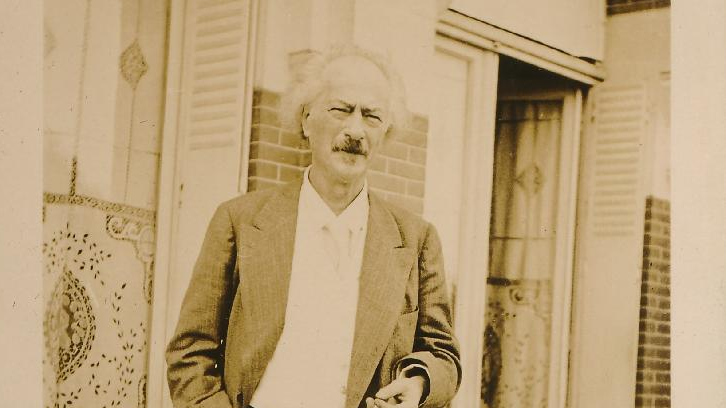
531, 235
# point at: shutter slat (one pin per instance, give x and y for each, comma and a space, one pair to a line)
213, 102
218, 87
619, 119
215, 44
215, 73
216, 58
603, 182
214, 115
207, 4
219, 141
216, 16
219, 29
211, 130
604, 172
618, 129
617, 140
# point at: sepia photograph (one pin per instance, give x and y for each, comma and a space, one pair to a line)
356, 203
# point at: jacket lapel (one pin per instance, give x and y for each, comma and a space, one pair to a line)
267, 246
384, 274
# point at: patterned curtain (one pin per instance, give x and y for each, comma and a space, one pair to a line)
522, 243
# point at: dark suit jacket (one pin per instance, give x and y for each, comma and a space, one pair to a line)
234, 309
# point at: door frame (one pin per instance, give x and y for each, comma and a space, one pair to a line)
168, 195
477, 189
466, 30
477, 173
169, 186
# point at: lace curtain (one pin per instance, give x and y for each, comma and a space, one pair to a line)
522, 244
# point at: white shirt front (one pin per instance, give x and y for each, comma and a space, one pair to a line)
310, 365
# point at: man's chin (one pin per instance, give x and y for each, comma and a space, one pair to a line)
351, 165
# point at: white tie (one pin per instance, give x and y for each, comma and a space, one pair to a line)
340, 234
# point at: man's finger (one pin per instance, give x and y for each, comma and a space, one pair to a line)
392, 389
370, 403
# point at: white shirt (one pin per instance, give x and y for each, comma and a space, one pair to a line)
310, 365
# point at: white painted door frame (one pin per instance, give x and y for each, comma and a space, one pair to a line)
167, 219
476, 212
477, 176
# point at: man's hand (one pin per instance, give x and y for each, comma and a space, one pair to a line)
401, 393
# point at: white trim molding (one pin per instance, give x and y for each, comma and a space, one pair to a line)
477, 178
489, 37
156, 384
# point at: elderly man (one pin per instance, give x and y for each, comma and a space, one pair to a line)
318, 293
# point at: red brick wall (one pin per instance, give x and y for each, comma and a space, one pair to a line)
653, 381
279, 155
627, 6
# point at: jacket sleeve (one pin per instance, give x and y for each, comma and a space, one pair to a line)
434, 343
195, 353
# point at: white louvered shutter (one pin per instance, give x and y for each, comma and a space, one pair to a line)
619, 126
610, 247
214, 110
215, 93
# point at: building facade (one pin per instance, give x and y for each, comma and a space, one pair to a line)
538, 147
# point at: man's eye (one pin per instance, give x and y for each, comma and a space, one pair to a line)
339, 110
374, 117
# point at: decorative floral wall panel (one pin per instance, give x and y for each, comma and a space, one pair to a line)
104, 67
97, 284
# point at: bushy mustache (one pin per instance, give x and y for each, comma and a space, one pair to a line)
352, 146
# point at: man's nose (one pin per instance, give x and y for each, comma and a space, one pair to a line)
354, 127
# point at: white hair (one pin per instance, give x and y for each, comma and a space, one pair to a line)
307, 83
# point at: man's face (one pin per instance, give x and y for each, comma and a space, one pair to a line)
347, 122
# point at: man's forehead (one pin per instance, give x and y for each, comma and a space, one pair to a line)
354, 69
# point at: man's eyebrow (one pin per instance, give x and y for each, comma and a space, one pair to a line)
347, 105
364, 110
373, 110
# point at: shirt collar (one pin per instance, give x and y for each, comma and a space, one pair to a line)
355, 216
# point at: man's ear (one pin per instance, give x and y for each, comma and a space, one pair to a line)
304, 121
388, 134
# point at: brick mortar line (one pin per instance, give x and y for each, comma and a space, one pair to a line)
654, 277
653, 360
267, 125
653, 332
655, 308
651, 291
405, 161
292, 149
654, 296
386, 173
410, 153
290, 166
258, 178
655, 395
265, 107
656, 322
